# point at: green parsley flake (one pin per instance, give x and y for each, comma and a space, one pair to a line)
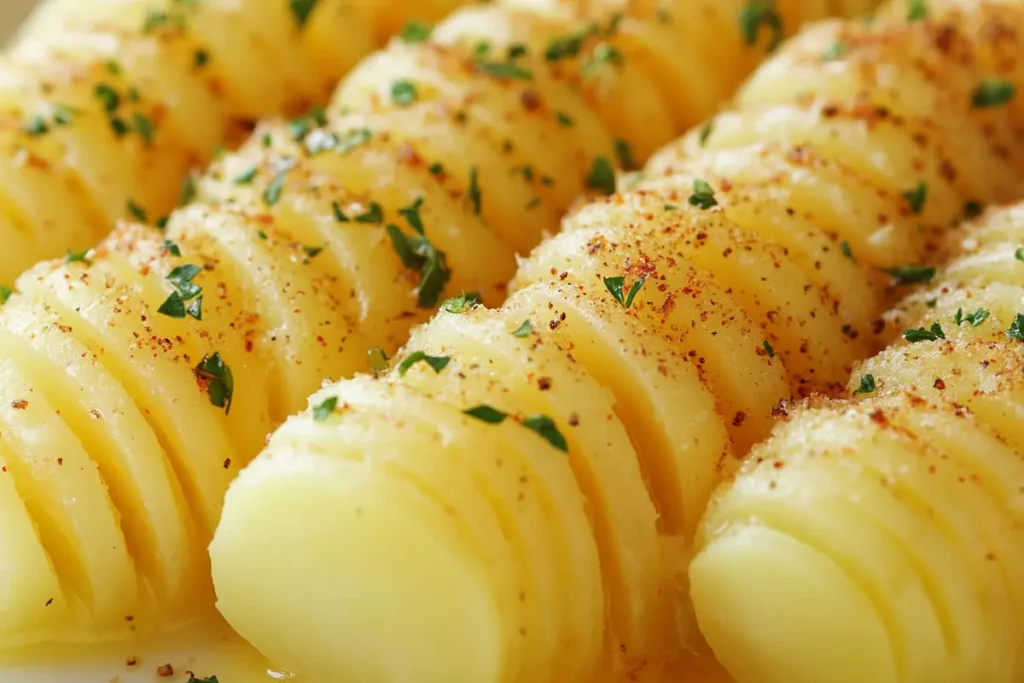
325, 409
246, 177
220, 383
419, 255
524, 330
272, 195
473, 192
615, 286
917, 197
403, 93
624, 153
5, 294
438, 363
911, 274
758, 14
835, 51
461, 303
917, 10
703, 196
992, 92
412, 216
373, 214
867, 385
542, 425
844, 247
601, 176
974, 319
415, 32
301, 9
769, 349
378, 361
934, 333
1016, 331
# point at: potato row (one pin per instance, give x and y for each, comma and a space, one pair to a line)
140, 376
516, 496
109, 104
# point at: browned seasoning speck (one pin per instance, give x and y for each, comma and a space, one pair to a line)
165, 671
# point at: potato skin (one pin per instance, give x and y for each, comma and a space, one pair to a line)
108, 105
754, 248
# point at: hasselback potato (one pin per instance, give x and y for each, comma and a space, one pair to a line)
515, 497
878, 537
107, 104
886, 528
140, 376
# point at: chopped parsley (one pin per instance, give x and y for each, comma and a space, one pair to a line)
403, 93
1019, 254
769, 349
917, 197
758, 14
81, 256
601, 176
867, 385
188, 190
524, 329
992, 92
473, 192
917, 10
353, 139
624, 153
934, 333
412, 216
181, 278
418, 254
844, 247
272, 195
200, 58
144, 127
301, 9
373, 214
5, 294
325, 409
299, 127
192, 679
339, 215
911, 274
615, 285
705, 132
415, 32
311, 252
246, 177
835, 51
564, 119
566, 47
1016, 330
486, 413
461, 303
220, 383
974, 319
542, 425
703, 196
604, 55
504, 70
108, 97
378, 361
438, 363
